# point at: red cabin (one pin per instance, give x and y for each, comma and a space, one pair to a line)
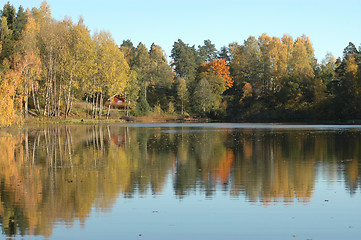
117, 101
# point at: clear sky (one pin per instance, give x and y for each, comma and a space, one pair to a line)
330, 24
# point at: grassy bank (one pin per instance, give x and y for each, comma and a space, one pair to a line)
80, 114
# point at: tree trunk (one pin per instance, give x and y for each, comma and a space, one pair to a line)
71, 104
126, 101
59, 101
46, 98
86, 106
145, 91
26, 103
54, 99
68, 97
100, 105
108, 111
27, 145
33, 93
96, 105
38, 103
182, 110
93, 106
127, 106
51, 89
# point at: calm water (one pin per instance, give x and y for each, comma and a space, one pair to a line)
181, 181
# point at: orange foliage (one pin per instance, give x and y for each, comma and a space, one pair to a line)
220, 67
224, 167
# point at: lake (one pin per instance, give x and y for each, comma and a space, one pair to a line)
181, 181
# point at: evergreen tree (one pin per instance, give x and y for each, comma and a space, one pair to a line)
208, 51
142, 65
224, 54
185, 60
128, 49
9, 13
6, 40
159, 92
349, 51
20, 22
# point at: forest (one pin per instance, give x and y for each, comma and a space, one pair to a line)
46, 65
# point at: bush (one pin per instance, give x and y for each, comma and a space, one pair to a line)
171, 109
142, 107
158, 110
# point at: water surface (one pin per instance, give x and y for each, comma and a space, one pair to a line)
181, 181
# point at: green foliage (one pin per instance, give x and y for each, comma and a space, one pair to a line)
182, 95
6, 38
207, 52
185, 60
20, 22
132, 89
142, 107
171, 108
9, 13
203, 99
224, 53
128, 49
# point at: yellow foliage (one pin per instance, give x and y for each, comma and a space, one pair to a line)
9, 100
247, 91
351, 67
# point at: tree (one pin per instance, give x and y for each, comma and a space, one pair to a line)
6, 39
20, 21
143, 66
9, 13
224, 53
29, 61
83, 51
10, 101
203, 98
245, 66
221, 68
208, 51
268, 63
161, 75
215, 82
184, 60
182, 93
112, 70
302, 68
349, 51
131, 91
348, 89
128, 49
328, 67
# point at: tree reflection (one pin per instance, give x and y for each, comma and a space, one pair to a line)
59, 173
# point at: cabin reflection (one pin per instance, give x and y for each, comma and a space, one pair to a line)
59, 173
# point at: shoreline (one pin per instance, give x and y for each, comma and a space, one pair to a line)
172, 119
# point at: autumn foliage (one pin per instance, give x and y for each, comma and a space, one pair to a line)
46, 65
221, 67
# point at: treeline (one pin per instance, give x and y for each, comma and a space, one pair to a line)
274, 79
46, 64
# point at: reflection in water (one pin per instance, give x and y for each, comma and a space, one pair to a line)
58, 174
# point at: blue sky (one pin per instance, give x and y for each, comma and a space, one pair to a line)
330, 24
